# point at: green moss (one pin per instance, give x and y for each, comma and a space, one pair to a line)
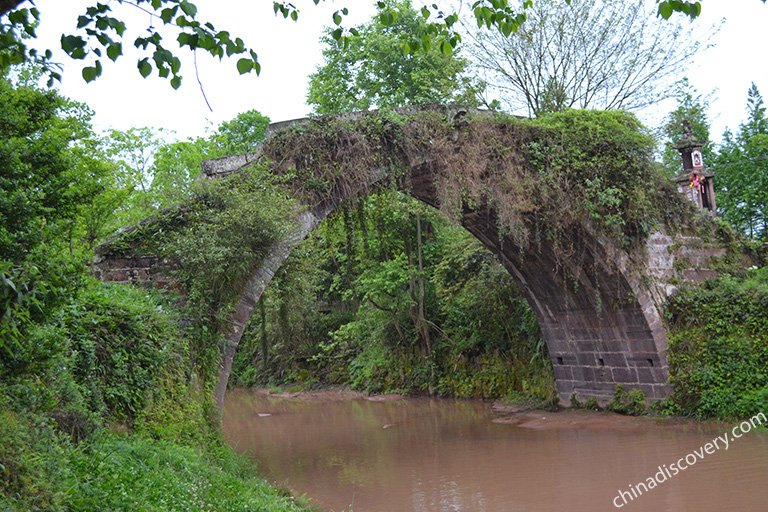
566, 168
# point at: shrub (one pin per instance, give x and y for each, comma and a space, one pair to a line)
718, 347
119, 341
630, 402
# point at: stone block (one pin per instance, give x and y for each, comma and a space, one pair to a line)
699, 275
586, 359
624, 375
603, 374
616, 359
652, 375
563, 372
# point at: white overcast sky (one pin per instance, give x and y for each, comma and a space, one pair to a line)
289, 52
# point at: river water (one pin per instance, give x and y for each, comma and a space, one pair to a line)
425, 455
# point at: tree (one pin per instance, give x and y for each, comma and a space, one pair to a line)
377, 70
100, 210
241, 134
102, 29
132, 153
583, 54
742, 171
41, 188
174, 169
176, 165
757, 123
691, 108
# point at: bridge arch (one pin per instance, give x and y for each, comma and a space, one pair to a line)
600, 317
574, 210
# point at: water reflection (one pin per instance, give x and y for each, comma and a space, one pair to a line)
426, 455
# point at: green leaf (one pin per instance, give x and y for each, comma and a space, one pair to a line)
426, 42
696, 9
117, 25
176, 82
114, 51
337, 18
446, 48
90, 73
665, 10
70, 43
189, 8
186, 39
145, 68
167, 14
244, 66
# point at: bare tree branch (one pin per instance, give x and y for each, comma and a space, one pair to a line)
589, 54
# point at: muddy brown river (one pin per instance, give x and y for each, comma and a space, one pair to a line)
422, 455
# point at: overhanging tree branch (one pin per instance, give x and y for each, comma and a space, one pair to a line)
7, 6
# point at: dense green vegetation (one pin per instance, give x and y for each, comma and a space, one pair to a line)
102, 410
344, 309
718, 348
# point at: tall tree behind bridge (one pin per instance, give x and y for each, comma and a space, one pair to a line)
742, 171
586, 54
373, 71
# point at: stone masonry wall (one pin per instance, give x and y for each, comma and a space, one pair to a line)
673, 260
145, 271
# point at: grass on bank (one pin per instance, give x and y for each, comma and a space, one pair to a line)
132, 473
101, 410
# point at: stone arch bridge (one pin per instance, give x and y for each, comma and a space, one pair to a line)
599, 299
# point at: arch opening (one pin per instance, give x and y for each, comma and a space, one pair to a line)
409, 302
